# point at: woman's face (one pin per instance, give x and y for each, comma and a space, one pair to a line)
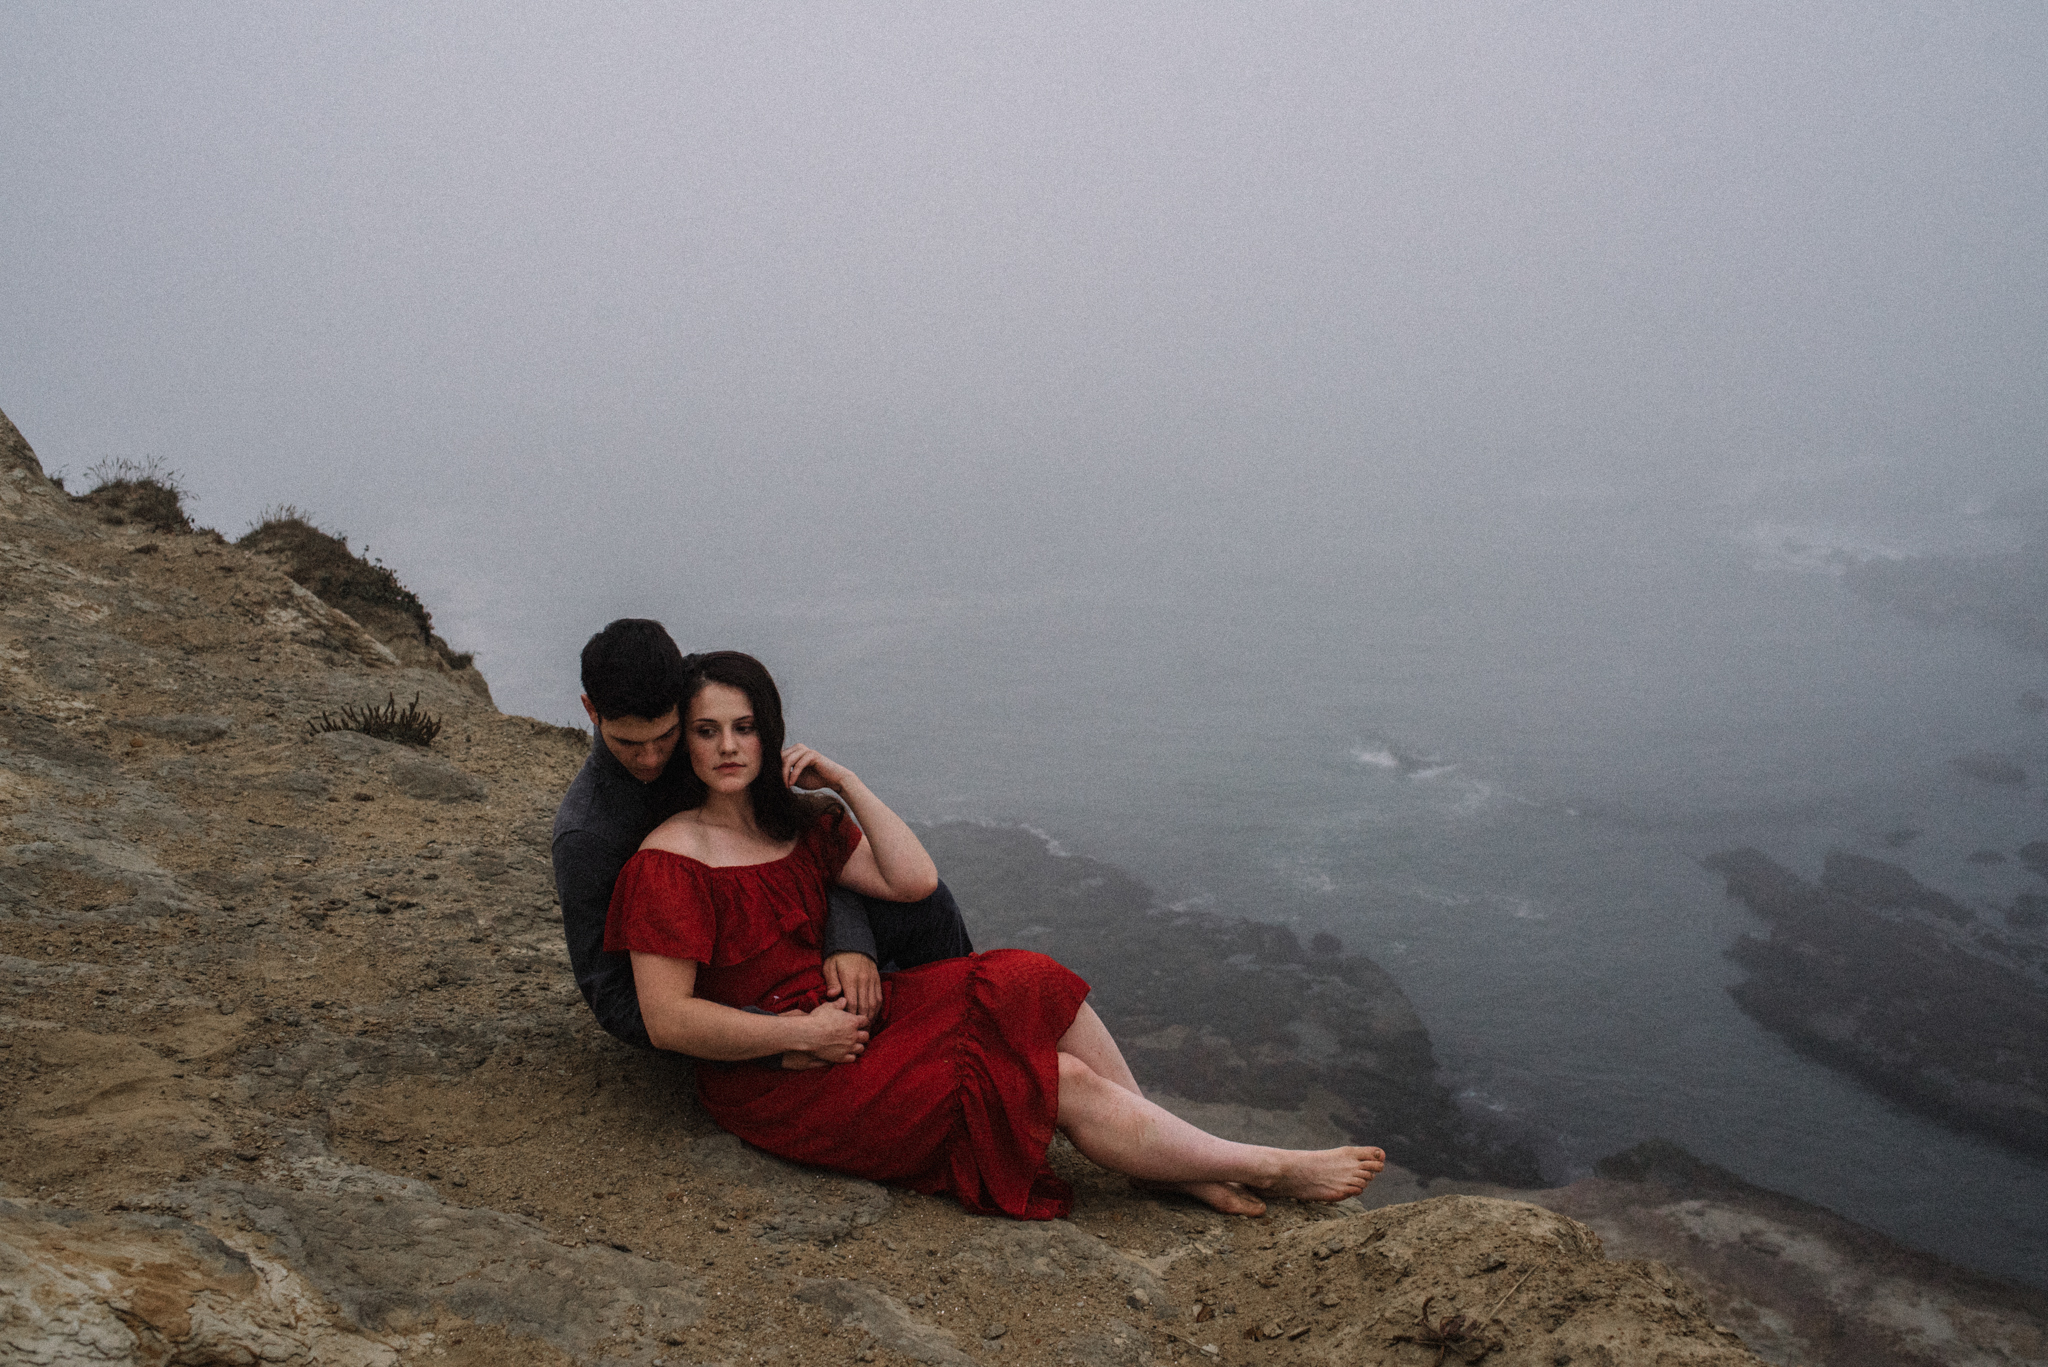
725, 749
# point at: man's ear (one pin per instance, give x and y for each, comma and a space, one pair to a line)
596, 722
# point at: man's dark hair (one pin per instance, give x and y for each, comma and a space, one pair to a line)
633, 669
782, 816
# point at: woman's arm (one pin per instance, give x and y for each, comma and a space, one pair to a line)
890, 863
677, 1018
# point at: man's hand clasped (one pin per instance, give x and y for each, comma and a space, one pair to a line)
853, 978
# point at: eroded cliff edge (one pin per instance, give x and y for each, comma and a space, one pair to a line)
293, 1069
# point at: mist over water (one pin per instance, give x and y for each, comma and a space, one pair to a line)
1383, 471
1496, 775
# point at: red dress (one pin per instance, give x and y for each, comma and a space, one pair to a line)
959, 1085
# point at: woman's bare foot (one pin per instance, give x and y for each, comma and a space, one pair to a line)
1229, 1197
1325, 1174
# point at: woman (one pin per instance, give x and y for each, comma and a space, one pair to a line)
956, 1078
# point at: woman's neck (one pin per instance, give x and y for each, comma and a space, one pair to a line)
729, 811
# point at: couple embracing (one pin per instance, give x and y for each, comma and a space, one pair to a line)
720, 903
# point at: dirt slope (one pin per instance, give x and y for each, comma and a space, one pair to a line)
291, 1068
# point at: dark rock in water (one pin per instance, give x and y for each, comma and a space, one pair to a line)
1987, 856
1897, 1005
2034, 854
2032, 703
1991, 769
1224, 1010
2006, 594
1899, 839
1874, 883
2029, 911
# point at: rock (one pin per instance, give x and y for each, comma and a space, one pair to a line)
1227, 1011
79, 1288
1874, 883
358, 748
1055, 1252
33, 743
394, 1258
2003, 594
804, 1204
1911, 1012
432, 780
427, 778
1552, 1296
190, 728
887, 1318
305, 782
1800, 1283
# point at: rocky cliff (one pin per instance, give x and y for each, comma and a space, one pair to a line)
292, 1070
1898, 985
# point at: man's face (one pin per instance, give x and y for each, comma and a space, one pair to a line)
642, 744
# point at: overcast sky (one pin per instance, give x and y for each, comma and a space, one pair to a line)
556, 305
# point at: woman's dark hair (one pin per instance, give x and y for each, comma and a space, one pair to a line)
780, 813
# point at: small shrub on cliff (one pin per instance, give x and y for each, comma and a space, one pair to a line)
409, 725
322, 562
141, 492
364, 589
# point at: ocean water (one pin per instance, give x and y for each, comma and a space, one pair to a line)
1491, 758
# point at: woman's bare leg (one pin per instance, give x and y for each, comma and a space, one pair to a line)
1119, 1129
1089, 1040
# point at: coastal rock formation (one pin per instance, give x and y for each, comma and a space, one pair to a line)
1219, 1010
2006, 594
1898, 1003
292, 1070
1801, 1284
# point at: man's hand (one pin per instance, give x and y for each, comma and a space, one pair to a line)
853, 977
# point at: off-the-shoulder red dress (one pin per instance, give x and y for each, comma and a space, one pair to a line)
959, 1086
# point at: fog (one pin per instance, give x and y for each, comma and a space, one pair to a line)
1386, 470
559, 310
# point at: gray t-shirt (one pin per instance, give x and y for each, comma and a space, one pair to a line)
603, 818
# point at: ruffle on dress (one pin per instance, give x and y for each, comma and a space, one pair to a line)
739, 923
1007, 1085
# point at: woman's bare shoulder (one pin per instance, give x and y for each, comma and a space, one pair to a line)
681, 834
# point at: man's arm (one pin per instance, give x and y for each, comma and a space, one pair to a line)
585, 869
852, 965
847, 930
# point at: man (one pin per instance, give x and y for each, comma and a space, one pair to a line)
633, 677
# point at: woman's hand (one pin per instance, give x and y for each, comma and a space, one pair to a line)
835, 1033
803, 767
